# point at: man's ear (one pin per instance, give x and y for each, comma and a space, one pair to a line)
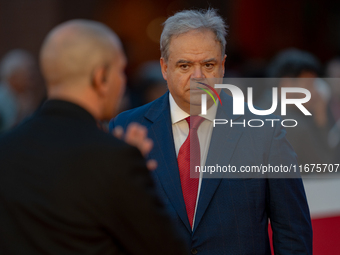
99, 78
164, 67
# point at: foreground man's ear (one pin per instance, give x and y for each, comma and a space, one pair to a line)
99, 79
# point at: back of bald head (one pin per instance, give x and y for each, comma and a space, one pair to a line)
72, 50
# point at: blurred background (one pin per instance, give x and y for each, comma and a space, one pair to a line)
258, 30
291, 38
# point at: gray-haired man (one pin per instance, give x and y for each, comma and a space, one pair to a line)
217, 216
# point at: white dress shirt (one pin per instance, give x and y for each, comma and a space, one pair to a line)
180, 130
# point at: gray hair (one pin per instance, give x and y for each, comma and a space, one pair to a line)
187, 20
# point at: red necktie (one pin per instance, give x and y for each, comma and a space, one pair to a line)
187, 160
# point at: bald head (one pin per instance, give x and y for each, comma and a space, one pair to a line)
72, 50
83, 63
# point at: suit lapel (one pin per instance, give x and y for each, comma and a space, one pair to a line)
223, 143
164, 152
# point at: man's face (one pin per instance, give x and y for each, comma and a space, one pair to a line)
24, 78
193, 55
116, 80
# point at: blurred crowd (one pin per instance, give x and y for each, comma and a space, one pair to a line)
316, 139
21, 88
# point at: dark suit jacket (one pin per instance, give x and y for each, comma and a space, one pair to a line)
68, 188
232, 214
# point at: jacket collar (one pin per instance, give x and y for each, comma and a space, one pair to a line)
63, 108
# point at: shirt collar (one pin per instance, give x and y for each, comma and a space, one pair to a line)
177, 114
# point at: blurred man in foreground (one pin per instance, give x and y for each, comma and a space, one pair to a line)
65, 186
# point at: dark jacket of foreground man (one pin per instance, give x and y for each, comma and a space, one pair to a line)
68, 188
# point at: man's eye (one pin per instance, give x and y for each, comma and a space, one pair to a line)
209, 65
184, 67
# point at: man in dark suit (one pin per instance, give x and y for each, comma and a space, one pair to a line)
67, 187
217, 215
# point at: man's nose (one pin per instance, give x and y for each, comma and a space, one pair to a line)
197, 73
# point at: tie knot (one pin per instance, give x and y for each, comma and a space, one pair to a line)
194, 121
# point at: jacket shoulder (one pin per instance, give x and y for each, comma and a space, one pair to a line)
137, 114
